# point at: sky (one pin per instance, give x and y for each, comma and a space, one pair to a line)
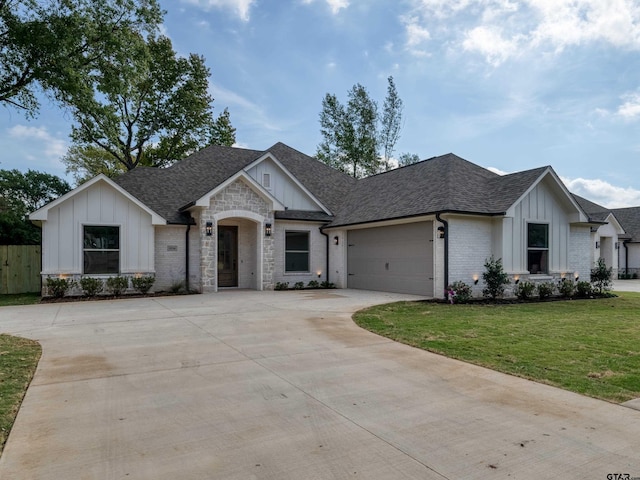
509, 85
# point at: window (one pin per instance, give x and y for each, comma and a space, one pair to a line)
538, 248
296, 252
266, 180
101, 250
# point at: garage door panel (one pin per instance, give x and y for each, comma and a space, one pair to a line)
398, 258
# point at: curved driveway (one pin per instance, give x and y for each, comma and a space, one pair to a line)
282, 385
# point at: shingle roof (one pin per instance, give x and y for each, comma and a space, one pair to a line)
596, 212
629, 219
441, 184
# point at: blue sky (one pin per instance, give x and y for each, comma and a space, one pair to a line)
509, 85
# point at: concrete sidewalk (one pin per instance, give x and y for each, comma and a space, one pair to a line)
283, 385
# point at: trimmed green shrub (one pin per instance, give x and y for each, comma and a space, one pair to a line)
313, 284
282, 286
57, 287
91, 286
298, 285
601, 277
459, 292
143, 284
326, 284
176, 287
566, 288
117, 285
525, 290
495, 278
583, 289
545, 290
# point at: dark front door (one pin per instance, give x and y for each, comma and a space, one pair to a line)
227, 256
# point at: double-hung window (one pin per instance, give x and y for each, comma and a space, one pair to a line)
538, 248
101, 248
296, 251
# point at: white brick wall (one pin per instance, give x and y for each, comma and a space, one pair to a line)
469, 248
170, 255
317, 247
580, 251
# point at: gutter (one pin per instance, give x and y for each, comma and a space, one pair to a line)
186, 255
403, 217
446, 254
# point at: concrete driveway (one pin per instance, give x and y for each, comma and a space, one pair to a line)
282, 385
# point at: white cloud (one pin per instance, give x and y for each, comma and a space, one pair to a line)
334, 5
631, 107
417, 36
503, 29
603, 193
53, 148
239, 7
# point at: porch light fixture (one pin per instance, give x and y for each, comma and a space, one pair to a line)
516, 279
475, 278
208, 229
441, 233
319, 272
576, 275
336, 240
617, 245
267, 229
597, 244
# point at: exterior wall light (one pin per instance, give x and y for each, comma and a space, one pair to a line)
576, 275
516, 279
267, 229
617, 245
475, 278
208, 229
319, 272
336, 240
441, 232
597, 244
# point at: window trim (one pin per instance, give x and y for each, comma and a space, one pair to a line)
307, 251
266, 180
83, 249
546, 249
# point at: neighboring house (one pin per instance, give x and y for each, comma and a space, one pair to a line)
617, 240
229, 217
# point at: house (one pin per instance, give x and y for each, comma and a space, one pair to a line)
230, 217
617, 239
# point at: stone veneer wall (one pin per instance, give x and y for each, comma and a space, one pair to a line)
235, 201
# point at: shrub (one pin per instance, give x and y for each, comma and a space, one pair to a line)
583, 289
282, 286
313, 284
326, 284
459, 292
117, 285
566, 288
495, 278
143, 284
176, 287
601, 277
298, 285
524, 290
545, 290
58, 287
91, 286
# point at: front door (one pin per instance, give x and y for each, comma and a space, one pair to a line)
227, 256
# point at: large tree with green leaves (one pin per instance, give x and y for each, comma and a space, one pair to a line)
354, 135
146, 106
53, 44
21, 194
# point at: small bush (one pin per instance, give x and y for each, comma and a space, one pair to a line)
525, 290
176, 287
566, 288
601, 277
91, 286
326, 284
545, 290
459, 292
313, 284
298, 285
495, 278
143, 284
117, 285
583, 289
282, 286
57, 287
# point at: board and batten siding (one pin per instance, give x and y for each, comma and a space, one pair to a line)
282, 187
540, 205
100, 204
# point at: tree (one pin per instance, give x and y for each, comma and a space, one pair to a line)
408, 159
85, 162
223, 133
495, 278
146, 106
353, 135
21, 194
391, 123
53, 44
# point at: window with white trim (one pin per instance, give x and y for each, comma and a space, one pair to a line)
538, 248
296, 251
101, 249
266, 180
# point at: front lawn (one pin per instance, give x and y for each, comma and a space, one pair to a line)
18, 360
587, 346
19, 299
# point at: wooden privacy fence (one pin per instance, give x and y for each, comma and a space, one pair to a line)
20, 267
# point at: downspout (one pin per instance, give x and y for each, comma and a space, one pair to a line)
626, 257
326, 235
186, 254
445, 224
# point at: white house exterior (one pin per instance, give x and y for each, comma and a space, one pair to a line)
236, 218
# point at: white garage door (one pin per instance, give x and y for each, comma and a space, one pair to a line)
397, 259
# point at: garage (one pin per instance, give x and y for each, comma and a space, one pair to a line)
397, 258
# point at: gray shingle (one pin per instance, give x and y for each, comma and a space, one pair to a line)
629, 219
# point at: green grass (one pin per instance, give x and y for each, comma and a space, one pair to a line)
587, 346
19, 299
18, 360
